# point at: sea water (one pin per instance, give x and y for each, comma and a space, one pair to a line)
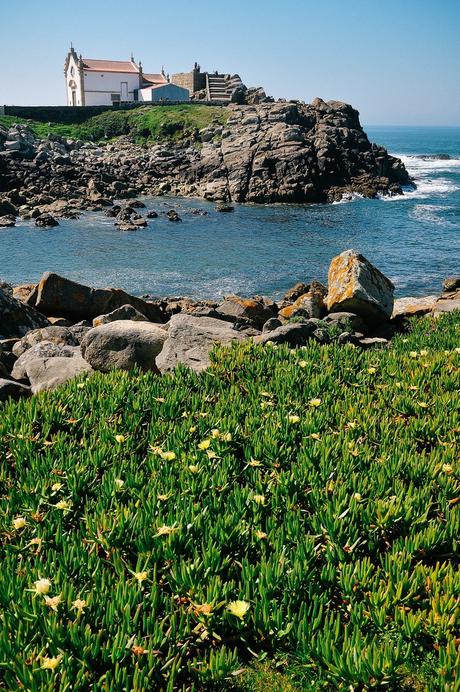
263, 249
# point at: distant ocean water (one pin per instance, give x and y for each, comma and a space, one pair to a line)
414, 238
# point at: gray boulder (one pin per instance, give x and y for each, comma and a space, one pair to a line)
55, 335
42, 350
13, 390
294, 334
16, 319
123, 345
190, 339
126, 312
49, 373
245, 310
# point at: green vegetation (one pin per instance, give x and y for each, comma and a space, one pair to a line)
288, 520
144, 124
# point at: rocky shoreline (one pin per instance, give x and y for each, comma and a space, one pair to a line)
58, 329
271, 152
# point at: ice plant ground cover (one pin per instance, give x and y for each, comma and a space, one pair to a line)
296, 512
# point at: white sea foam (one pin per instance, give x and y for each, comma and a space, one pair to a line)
425, 174
432, 213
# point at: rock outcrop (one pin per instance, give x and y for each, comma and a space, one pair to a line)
265, 152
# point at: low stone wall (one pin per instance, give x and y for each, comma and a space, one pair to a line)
78, 114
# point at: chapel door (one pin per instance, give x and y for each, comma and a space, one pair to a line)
74, 97
124, 91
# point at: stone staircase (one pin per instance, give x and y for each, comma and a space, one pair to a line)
217, 88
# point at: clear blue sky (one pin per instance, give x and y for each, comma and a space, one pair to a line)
397, 61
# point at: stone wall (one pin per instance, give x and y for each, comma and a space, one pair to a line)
193, 80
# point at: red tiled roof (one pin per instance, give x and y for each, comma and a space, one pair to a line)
110, 65
155, 78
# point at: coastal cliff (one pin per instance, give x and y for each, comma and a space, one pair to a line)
271, 152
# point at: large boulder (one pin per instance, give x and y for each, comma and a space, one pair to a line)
355, 285
49, 373
55, 335
42, 351
123, 345
13, 390
16, 319
56, 295
190, 339
245, 310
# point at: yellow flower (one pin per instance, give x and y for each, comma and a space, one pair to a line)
227, 437
53, 662
315, 402
194, 469
79, 605
168, 456
413, 354
261, 535
163, 498
42, 586
63, 504
211, 454
165, 530
19, 523
192, 429
53, 602
204, 444
238, 608
215, 433
457, 349
80, 385
447, 468
371, 371
120, 438
202, 608
423, 353
119, 482
259, 499
254, 463
294, 419
303, 363
57, 486
36, 541
423, 404
140, 576
315, 436
357, 497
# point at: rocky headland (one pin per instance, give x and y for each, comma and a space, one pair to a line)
58, 329
270, 152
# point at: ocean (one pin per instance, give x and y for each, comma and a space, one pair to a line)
264, 249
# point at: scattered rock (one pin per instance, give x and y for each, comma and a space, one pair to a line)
413, 306
42, 350
369, 342
346, 320
271, 324
246, 311
46, 221
190, 339
295, 292
7, 221
152, 214
126, 312
49, 373
451, 284
224, 208
173, 216
53, 334
123, 345
16, 319
294, 334
310, 304
13, 390
355, 285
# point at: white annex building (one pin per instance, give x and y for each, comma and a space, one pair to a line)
108, 82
